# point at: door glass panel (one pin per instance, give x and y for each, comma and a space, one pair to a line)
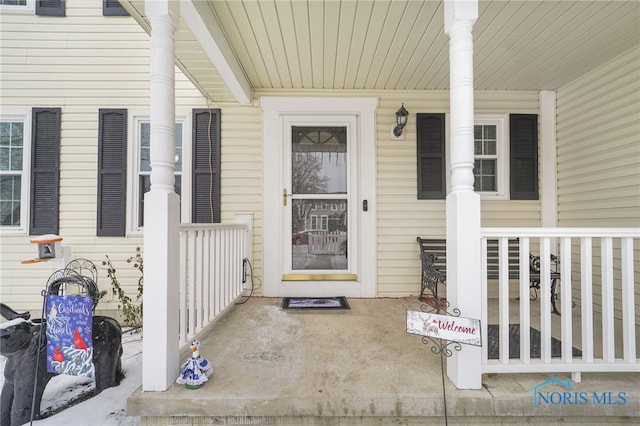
319, 198
319, 234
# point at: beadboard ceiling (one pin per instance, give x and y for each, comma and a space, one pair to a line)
399, 44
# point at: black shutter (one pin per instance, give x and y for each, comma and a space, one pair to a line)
112, 172
50, 7
431, 156
524, 156
206, 166
113, 8
45, 171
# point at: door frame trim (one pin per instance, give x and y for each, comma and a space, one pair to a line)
274, 110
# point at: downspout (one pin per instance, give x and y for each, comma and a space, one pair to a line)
161, 209
464, 288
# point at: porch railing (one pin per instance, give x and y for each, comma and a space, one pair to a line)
596, 300
211, 269
327, 242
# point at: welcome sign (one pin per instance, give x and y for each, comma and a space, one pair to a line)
69, 335
457, 329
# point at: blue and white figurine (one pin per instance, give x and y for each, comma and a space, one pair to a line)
194, 371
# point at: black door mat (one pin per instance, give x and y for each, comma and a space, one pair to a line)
514, 343
315, 303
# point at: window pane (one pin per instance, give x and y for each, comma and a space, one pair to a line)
319, 235
145, 147
477, 147
144, 186
10, 200
488, 183
11, 145
13, 2
490, 132
178, 166
489, 147
319, 160
485, 176
144, 181
485, 139
178, 184
488, 167
477, 132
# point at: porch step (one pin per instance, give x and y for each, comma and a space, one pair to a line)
361, 367
379, 421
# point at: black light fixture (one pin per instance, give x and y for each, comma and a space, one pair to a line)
401, 121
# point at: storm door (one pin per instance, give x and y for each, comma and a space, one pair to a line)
319, 231
319, 202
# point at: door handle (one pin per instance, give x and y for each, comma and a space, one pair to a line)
284, 196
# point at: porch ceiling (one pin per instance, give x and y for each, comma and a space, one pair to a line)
397, 44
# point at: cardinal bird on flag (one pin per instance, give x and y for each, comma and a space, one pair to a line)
78, 340
57, 354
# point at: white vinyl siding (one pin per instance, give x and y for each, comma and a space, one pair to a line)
598, 126
401, 216
85, 61
81, 63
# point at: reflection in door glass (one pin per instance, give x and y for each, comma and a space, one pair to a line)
319, 224
319, 234
319, 160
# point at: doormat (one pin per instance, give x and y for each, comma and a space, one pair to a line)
514, 343
315, 303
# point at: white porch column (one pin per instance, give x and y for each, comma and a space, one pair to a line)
548, 157
161, 209
463, 204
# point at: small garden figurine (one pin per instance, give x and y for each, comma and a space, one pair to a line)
194, 371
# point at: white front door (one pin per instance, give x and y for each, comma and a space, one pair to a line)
319, 197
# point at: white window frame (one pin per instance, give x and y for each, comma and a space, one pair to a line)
133, 172
501, 122
25, 118
324, 222
30, 7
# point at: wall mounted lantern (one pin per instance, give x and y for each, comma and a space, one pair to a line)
401, 121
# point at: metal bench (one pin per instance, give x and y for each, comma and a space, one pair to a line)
433, 255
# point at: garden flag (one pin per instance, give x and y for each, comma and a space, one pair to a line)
69, 340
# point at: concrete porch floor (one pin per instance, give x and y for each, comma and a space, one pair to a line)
357, 366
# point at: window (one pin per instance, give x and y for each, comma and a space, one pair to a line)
122, 182
30, 171
489, 155
14, 168
504, 168
17, 5
142, 167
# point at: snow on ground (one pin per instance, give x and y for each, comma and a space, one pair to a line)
106, 409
